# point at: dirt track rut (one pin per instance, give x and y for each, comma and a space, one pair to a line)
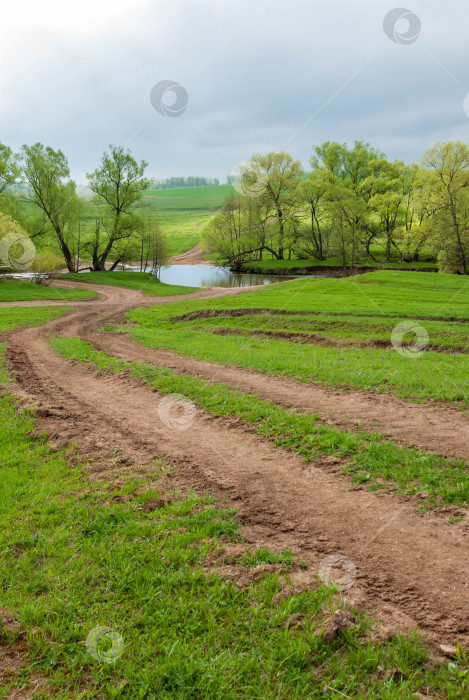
411, 569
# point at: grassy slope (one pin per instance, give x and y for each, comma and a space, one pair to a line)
183, 212
396, 295
77, 554
369, 458
25, 291
131, 280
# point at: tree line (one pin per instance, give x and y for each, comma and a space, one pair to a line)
190, 181
354, 204
40, 176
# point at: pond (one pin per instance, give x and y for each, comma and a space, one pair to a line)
212, 276
198, 276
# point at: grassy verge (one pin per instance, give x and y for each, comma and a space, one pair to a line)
141, 281
368, 457
25, 291
20, 316
76, 556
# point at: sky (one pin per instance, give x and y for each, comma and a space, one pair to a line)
195, 87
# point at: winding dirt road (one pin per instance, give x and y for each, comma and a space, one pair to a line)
412, 570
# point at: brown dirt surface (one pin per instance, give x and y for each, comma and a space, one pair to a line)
411, 570
190, 257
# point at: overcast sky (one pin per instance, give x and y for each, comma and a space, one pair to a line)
260, 75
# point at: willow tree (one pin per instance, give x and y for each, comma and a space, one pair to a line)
118, 184
53, 193
281, 175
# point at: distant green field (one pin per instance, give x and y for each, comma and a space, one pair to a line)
25, 291
131, 280
184, 211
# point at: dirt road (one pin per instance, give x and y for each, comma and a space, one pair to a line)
411, 569
190, 257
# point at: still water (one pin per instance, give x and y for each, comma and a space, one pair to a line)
198, 276
211, 276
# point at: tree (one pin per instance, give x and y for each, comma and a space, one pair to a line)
159, 253
118, 184
53, 193
9, 169
229, 235
313, 192
280, 176
448, 188
348, 220
387, 187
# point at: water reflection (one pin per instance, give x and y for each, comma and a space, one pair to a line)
212, 276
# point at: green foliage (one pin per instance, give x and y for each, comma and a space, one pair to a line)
53, 194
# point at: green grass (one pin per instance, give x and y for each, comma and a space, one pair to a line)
368, 457
19, 316
142, 281
77, 554
360, 330
361, 308
25, 291
275, 267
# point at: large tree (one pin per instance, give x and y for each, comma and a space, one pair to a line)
53, 193
280, 176
118, 185
448, 190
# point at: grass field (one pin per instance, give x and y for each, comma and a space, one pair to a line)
359, 308
131, 280
183, 212
79, 555
29, 316
25, 291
